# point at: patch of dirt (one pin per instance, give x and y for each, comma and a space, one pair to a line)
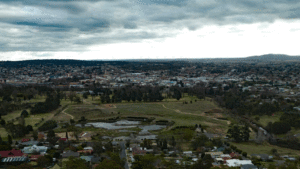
109, 106
214, 111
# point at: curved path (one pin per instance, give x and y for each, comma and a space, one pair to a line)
67, 113
178, 111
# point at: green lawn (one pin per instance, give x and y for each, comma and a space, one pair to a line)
13, 115
37, 98
265, 119
265, 148
196, 107
171, 109
3, 134
181, 114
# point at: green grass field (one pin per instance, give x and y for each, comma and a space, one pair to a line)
265, 148
3, 134
181, 114
265, 119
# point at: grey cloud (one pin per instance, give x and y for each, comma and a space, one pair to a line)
57, 25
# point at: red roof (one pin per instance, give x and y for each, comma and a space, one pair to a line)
11, 153
85, 151
233, 155
226, 158
25, 140
63, 139
34, 157
138, 151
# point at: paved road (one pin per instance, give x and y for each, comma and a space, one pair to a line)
123, 154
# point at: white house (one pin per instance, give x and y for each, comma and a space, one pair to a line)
237, 162
34, 148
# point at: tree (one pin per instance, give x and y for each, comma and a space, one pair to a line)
0, 140
74, 163
9, 139
143, 162
238, 133
127, 143
85, 95
177, 94
108, 146
72, 121
22, 121
35, 135
164, 144
199, 141
77, 100
108, 164
43, 161
29, 128
97, 148
67, 135
72, 95
23, 166
2, 122
24, 113
274, 151
51, 137
280, 127
245, 133
173, 142
116, 157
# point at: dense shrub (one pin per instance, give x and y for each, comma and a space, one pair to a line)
50, 124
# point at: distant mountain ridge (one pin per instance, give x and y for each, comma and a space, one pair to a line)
273, 57
259, 58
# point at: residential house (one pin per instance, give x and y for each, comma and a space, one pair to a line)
188, 153
14, 160
67, 154
263, 157
11, 153
85, 151
34, 157
248, 166
88, 148
63, 139
25, 140
214, 154
138, 151
237, 162
35, 148
87, 158
234, 155
29, 143
95, 160
41, 135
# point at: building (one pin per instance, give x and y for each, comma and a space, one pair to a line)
248, 166
69, 153
237, 162
34, 148
11, 153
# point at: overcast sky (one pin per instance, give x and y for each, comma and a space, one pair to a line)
143, 29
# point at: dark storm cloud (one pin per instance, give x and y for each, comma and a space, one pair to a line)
63, 25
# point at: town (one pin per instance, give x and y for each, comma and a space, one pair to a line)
185, 114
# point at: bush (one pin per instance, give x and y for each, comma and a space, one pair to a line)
233, 147
244, 154
239, 151
50, 124
24, 113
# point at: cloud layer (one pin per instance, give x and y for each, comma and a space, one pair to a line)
70, 25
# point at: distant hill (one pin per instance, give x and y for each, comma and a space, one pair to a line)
272, 58
261, 59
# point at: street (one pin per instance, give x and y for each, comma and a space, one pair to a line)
123, 154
